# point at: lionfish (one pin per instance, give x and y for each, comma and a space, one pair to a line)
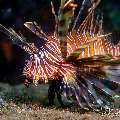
83, 54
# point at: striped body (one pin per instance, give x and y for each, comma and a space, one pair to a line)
101, 46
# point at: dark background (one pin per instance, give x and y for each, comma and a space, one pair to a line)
13, 13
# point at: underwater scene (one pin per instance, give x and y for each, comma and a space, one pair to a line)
59, 60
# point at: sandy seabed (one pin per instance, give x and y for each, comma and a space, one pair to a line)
37, 111
13, 111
